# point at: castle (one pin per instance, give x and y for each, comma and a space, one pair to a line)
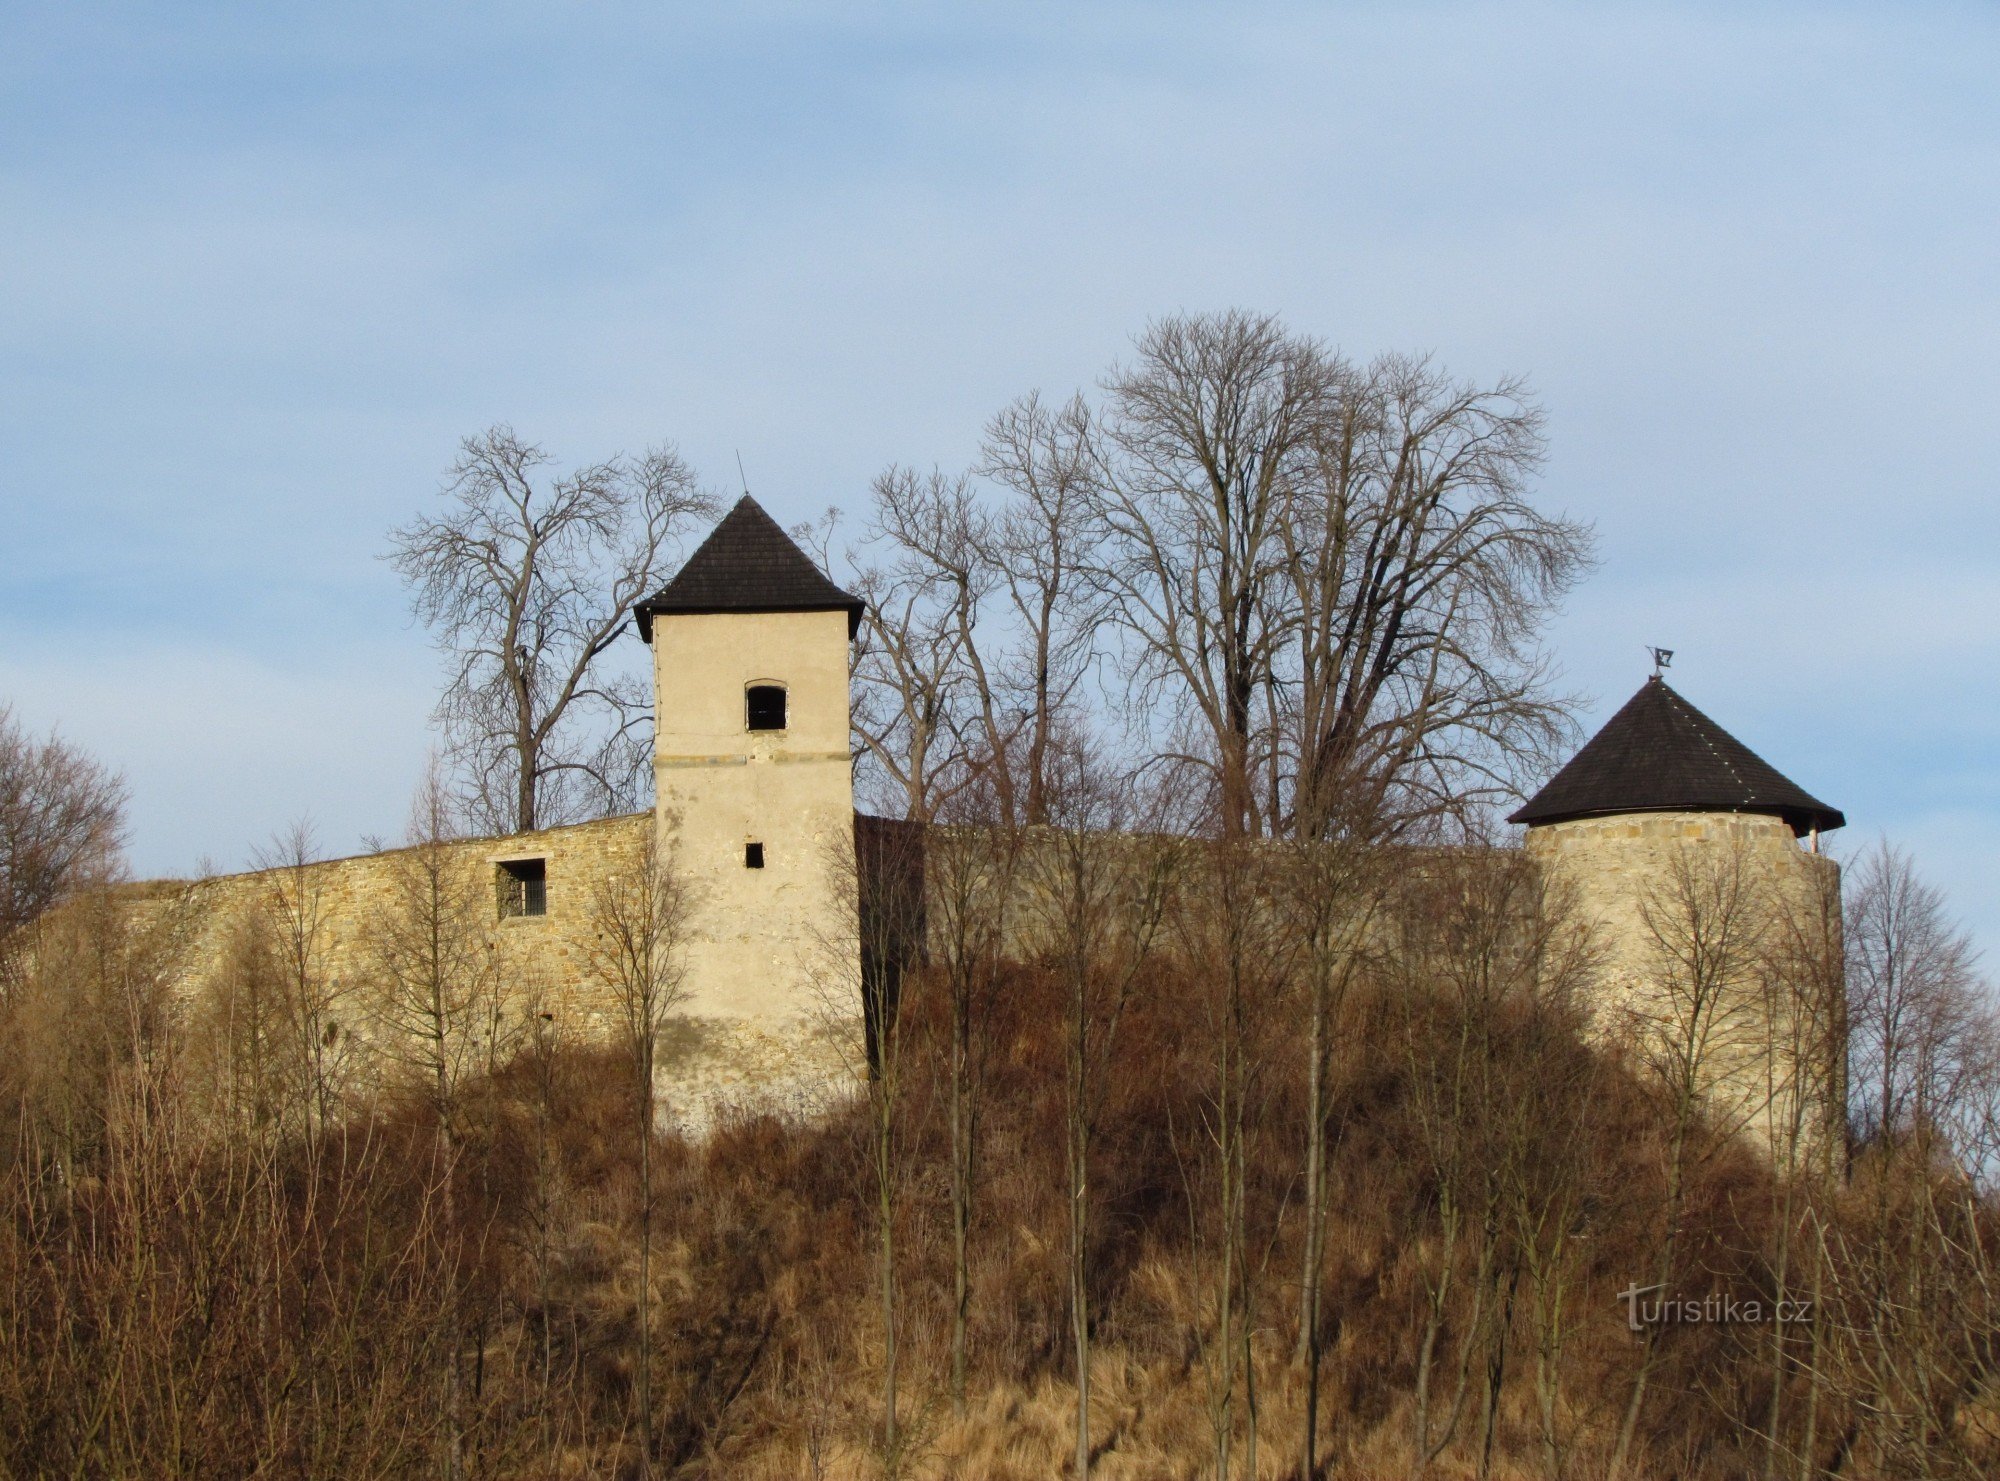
753, 768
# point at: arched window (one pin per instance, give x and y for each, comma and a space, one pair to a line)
764, 707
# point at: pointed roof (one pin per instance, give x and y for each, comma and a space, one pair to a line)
1661, 754
748, 564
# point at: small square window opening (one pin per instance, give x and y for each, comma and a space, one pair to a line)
764, 707
524, 887
753, 856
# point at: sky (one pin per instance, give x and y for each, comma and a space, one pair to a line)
261, 267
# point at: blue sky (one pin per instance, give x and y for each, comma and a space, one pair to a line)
261, 266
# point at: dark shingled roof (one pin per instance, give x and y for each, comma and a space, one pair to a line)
748, 564
1661, 754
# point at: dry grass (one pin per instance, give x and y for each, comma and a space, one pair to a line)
174, 1302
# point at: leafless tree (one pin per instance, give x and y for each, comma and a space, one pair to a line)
1322, 586
1547, 1145
1916, 1272
922, 681
311, 1000
1332, 894
882, 873
526, 580
438, 1005
1097, 886
549, 1058
61, 825
1912, 983
1475, 947
1417, 577
639, 931
1231, 935
438, 990
1041, 546
972, 863
95, 1009
1208, 435
1803, 1052
869, 954
1337, 570
1706, 925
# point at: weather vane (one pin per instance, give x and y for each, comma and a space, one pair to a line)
1663, 658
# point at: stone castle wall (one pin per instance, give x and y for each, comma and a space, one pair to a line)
729, 1046
543, 967
1736, 891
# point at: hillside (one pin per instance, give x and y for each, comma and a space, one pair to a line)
195, 1282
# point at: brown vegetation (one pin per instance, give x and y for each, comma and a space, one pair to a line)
435, 1282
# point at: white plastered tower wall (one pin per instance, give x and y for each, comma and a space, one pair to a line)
757, 820
759, 937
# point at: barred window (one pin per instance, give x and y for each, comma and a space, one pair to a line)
524, 887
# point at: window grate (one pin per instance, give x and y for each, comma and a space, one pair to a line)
524, 887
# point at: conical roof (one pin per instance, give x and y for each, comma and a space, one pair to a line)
1661, 754
748, 564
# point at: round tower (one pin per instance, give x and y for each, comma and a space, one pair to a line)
1687, 853
753, 777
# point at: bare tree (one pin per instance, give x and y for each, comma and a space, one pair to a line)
922, 681
61, 824
93, 1008
1707, 922
1097, 890
1803, 1051
1041, 545
1207, 436
554, 1079
438, 1005
1332, 894
1474, 944
639, 930
1547, 1146
882, 873
971, 867
1231, 935
311, 1000
526, 581
1912, 985
1336, 571
438, 991
1917, 1273
979, 627
1326, 585
1417, 580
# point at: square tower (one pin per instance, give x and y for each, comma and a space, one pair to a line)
754, 779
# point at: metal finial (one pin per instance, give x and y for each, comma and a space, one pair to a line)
1663, 658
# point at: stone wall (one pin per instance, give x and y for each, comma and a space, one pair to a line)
797, 1051
1736, 887
541, 964
1772, 1034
